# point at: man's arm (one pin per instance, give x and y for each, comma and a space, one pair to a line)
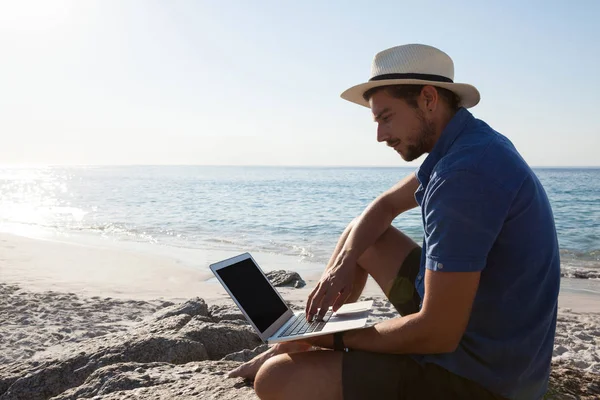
436, 328
464, 214
377, 217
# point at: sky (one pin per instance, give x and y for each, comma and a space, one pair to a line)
119, 82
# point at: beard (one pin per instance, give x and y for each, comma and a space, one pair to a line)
426, 135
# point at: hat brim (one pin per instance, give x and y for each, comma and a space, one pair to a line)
469, 95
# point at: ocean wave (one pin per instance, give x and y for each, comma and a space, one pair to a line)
579, 273
588, 255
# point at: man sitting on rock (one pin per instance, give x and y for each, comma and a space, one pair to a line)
478, 300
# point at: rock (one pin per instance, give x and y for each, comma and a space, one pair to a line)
583, 336
55, 376
196, 380
166, 325
567, 382
220, 339
285, 278
226, 313
192, 307
558, 350
110, 364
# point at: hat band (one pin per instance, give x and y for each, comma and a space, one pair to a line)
423, 77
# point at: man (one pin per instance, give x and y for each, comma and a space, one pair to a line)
478, 300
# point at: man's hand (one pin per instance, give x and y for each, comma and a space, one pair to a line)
333, 288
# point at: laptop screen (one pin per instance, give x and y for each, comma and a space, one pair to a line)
253, 293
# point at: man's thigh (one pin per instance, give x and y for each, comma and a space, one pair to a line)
385, 257
305, 375
368, 375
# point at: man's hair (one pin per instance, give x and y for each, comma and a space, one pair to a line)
409, 93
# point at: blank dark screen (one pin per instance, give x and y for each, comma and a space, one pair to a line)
253, 292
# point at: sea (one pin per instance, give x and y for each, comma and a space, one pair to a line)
290, 211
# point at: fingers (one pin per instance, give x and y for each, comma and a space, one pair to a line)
328, 300
314, 299
319, 299
327, 292
324, 296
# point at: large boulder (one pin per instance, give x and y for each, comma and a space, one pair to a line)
285, 278
180, 334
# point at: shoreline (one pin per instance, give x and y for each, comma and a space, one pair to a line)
145, 272
132, 272
574, 264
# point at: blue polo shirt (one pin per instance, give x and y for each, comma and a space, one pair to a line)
484, 210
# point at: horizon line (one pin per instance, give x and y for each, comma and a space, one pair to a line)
263, 166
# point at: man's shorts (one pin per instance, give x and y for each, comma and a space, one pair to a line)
367, 375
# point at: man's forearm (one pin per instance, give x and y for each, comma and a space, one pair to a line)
403, 335
411, 334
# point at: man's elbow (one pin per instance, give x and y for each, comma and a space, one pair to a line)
441, 334
449, 346
440, 340
447, 343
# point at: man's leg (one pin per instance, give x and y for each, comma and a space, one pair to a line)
307, 374
359, 375
310, 375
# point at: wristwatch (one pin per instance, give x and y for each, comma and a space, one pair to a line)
338, 342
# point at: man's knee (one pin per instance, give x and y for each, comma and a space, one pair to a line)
383, 259
271, 377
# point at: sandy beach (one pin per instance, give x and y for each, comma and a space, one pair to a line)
55, 295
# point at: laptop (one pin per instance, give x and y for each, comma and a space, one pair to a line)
269, 315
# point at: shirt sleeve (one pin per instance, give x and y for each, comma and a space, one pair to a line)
463, 215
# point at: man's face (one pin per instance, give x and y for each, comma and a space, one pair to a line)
401, 126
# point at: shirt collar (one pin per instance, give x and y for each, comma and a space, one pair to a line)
440, 149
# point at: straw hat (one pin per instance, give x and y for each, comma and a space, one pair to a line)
413, 64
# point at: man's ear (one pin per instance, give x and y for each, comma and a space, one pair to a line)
430, 98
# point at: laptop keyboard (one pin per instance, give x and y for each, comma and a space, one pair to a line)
300, 325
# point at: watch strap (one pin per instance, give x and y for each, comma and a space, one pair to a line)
338, 341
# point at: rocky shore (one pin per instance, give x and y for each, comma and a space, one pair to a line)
64, 346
